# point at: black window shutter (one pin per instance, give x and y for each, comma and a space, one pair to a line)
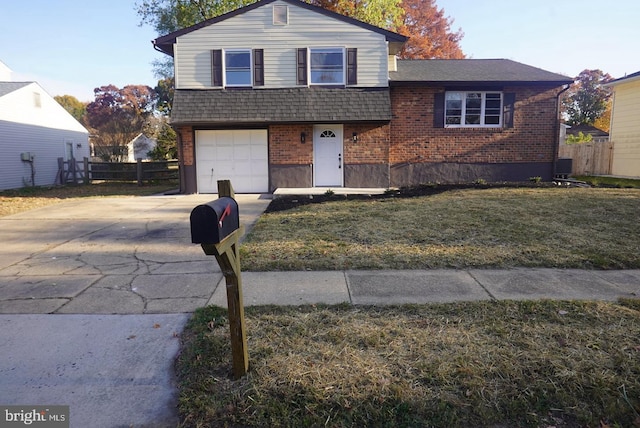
352, 66
302, 66
438, 110
216, 67
509, 103
258, 67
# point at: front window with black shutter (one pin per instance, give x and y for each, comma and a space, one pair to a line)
327, 66
237, 67
473, 109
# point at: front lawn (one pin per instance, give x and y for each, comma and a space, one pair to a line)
588, 228
483, 364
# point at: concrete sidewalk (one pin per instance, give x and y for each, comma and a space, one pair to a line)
386, 287
95, 293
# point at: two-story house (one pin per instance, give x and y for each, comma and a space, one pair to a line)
285, 94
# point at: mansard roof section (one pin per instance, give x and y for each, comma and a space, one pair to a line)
165, 43
293, 105
460, 72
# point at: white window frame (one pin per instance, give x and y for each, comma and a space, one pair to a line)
333, 49
224, 68
280, 14
483, 110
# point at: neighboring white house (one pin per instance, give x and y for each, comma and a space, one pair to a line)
625, 125
34, 132
139, 147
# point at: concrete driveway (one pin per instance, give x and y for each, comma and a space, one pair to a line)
94, 294
109, 256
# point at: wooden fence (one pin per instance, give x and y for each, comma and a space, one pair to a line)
84, 171
589, 158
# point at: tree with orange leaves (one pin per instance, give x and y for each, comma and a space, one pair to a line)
429, 32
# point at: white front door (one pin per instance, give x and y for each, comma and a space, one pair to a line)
327, 155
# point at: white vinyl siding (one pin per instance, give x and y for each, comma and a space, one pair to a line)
625, 129
45, 144
42, 131
255, 29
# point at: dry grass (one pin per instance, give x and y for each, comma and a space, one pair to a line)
28, 198
491, 364
498, 228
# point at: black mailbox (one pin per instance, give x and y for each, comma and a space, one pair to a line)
213, 221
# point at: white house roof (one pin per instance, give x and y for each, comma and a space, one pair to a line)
29, 104
8, 87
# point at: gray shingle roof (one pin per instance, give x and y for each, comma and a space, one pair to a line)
472, 71
280, 105
8, 87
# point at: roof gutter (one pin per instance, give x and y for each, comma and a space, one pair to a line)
557, 129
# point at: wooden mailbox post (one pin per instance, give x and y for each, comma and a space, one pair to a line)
215, 226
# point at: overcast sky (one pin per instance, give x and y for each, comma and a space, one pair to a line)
73, 46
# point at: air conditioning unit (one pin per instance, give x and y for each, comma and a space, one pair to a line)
564, 167
27, 156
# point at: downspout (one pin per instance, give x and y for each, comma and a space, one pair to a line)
557, 130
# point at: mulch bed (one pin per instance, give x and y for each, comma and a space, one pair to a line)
288, 202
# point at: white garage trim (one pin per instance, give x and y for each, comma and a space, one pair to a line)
239, 155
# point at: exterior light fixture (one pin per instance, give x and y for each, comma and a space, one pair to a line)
355, 137
303, 137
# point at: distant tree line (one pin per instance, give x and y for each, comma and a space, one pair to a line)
118, 115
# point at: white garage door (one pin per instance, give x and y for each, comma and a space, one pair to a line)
236, 155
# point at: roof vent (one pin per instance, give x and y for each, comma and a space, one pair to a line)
280, 14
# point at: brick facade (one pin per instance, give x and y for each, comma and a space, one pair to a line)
186, 147
372, 146
285, 147
411, 150
415, 139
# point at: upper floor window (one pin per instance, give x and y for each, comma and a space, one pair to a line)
327, 66
473, 109
237, 65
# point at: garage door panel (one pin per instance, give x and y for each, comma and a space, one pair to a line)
242, 152
259, 168
237, 155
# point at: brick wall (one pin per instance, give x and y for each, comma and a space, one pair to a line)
414, 139
285, 147
186, 148
372, 146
